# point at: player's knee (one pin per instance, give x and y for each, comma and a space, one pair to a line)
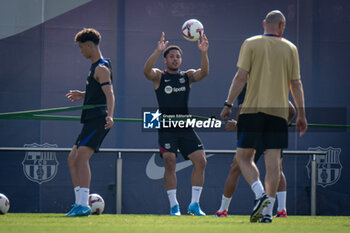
273, 168
70, 161
71, 158
235, 169
242, 159
198, 159
202, 163
81, 159
169, 163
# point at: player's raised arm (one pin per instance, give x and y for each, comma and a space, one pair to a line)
150, 72
197, 75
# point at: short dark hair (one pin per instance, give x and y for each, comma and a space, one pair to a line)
171, 47
88, 34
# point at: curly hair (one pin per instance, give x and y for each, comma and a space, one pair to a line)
88, 34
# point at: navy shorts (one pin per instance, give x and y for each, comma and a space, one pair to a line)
186, 141
261, 130
92, 134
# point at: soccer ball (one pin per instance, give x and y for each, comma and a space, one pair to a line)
4, 204
96, 203
192, 30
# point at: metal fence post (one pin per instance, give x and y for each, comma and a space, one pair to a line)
118, 192
313, 185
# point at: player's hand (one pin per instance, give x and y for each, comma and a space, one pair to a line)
203, 43
231, 125
225, 113
301, 125
75, 95
109, 122
162, 43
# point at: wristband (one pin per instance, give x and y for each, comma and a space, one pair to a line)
228, 105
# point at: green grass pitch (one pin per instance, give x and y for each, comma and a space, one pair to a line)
52, 223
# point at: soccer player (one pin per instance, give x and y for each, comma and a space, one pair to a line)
272, 64
234, 173
96, 122
172, 88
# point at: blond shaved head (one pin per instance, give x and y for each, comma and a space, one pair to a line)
275, 17
274, 23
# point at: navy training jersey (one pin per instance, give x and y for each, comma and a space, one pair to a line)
94, 93
173, 93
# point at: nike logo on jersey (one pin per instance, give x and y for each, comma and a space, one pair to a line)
156, 172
